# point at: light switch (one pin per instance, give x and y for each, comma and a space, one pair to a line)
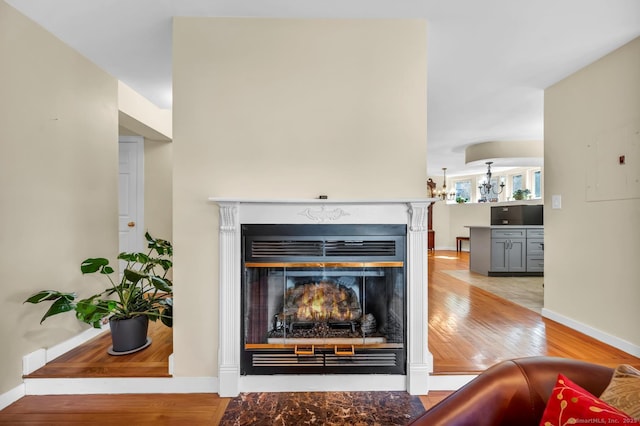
556, 201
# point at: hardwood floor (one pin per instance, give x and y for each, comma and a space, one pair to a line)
91, 359
102, 410
469, 330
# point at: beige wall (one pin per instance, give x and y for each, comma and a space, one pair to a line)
449, 221
139, 117
158, 188
142, 117
271, 108
58, 174
592, 248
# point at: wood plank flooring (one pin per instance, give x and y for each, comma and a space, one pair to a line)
91, 359
110, 410
469, 330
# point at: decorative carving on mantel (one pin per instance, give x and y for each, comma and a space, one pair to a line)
323, 215
228, 217
418, 217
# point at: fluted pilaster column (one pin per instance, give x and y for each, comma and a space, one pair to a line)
419, 359
229, 286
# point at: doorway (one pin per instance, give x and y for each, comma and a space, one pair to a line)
131, 193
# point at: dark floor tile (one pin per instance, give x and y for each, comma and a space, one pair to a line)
322, 408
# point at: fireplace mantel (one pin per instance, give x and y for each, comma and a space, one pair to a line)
321, 200
237, 211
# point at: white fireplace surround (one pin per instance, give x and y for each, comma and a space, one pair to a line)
234, 212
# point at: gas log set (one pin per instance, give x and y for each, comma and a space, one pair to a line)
323, 299
321, 310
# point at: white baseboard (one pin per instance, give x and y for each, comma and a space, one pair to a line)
464, 249
149, 385
600, 335
11, 396
37, 359
171, 364
119, 385
31, 362
449, 382
42, 386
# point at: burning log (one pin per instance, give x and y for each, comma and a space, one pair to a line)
322, 301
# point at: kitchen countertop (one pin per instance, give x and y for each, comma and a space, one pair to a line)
504, 226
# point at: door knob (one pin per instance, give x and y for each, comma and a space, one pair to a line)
131, 224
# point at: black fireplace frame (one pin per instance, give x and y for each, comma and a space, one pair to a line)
323, 243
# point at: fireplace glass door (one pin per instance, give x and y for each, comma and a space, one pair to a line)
343, 317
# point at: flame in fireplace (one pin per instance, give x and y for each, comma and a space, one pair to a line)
323, 301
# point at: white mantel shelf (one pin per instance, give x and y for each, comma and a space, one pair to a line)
321, 201
236, 211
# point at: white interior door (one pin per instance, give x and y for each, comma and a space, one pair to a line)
131, 193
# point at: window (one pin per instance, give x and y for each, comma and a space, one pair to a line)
537, 186
463, 190
516, 182
467, 187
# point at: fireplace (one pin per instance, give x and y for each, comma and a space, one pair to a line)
323, 295
323, 299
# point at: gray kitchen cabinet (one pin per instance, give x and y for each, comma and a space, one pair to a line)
535, 250
508, 250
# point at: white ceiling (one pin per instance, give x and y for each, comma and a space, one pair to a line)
489, 61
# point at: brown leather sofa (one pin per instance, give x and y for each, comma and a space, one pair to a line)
513, 392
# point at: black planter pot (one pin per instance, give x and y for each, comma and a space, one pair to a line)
129, 335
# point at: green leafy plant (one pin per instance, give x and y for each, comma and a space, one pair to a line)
520, 194
144, 289
461, 200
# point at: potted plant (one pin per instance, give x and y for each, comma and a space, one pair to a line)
520, 194
143, 293
461, 200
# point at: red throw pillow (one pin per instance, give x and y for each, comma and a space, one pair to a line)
570, 404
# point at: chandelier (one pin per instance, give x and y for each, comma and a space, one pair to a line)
490, 190
440, 193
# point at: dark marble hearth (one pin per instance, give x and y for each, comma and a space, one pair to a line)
323, 408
